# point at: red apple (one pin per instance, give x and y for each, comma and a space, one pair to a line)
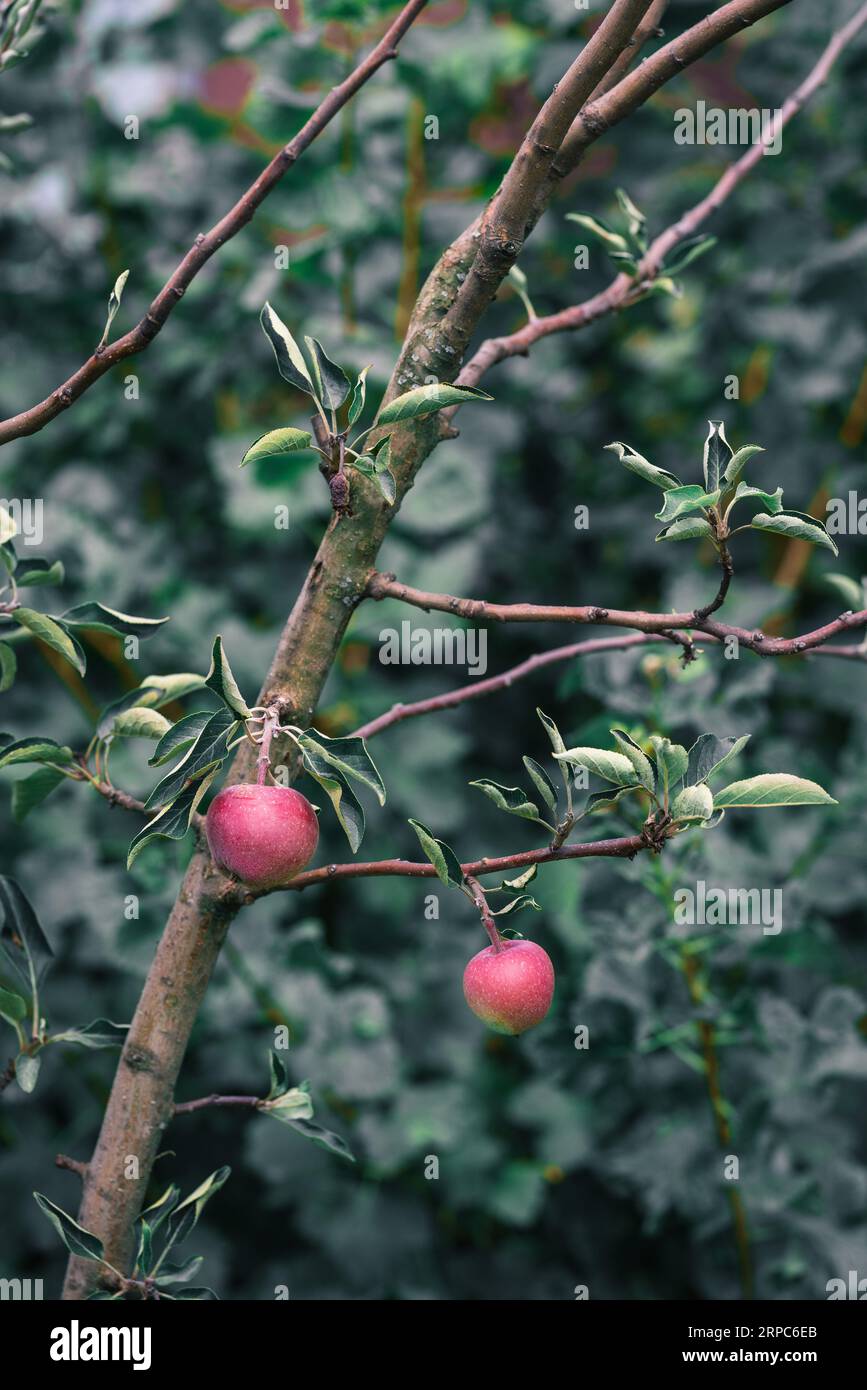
262, 835
510, 988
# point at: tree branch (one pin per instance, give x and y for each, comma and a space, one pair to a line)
187, 1107
625, 290
207, 243
381, 586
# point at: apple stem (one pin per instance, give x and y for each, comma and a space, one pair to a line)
476, 894
269, 728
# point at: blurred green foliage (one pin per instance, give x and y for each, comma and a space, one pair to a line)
557, 1167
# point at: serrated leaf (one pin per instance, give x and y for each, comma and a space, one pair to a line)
718, 455
100, 618
206, 754
773, 789
693, 803
441, 855
221, 680
641, 764
141, 722
709, 753
102, 1032
180, 737
599, 229
672, 760
34, 750
174, 822
76, 1239
427, 400
290, 361
8, 666
511, 799
325, 1138
359, 395
276, 443
345, 803
49, 631
738, 461
349, 756
636, 463
542, 782
772, 501
796, 527
680, 500
686, 528
27, 1068
36, 573
332, 383
612, 767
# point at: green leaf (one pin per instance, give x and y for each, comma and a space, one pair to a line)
171, 1274
221, 680
113, 305
687, 252
12, 1006
76, 1239
672, 760
332, 383
186, 1213
27, 1066
359, 395
637, 464
773, 789
179, 737
275, 443
294, 1104
290, 361
8, 666
174, 822
511, 799
30, 792
599, 229
796, 526
613, 767
851, 592
141, 722
199, 1295
553, 732
441, 855
680, 500
387, 485
709, 753
34, 750
21, 933
738, 461
773, 501
514, 885
144, 1252
427, 400
8, 557
641, 764
718, 455
49, 631
686, 528
325, 1138
102, 619
693, 803
603, 801
517, 904
279, 1079
345, 803
206, 755
102, 1032
635, 218
542, 782
171, 687
38, 573
160, 1210
349, 756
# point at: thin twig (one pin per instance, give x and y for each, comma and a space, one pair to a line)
74, 1165
187, 1107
